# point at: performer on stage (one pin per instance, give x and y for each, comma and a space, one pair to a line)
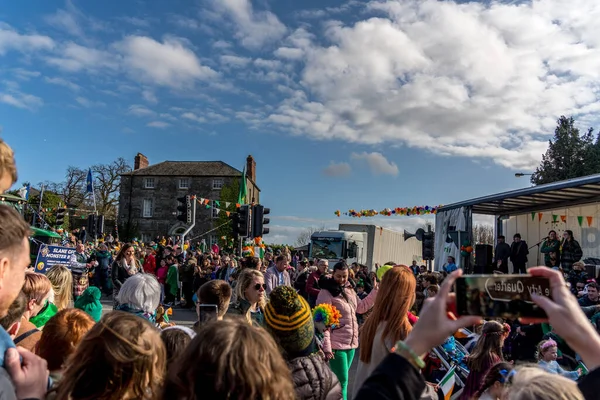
551, 245
501, 255
518, 254
570, 251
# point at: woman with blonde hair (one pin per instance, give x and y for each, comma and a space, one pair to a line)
39, 309
121, 358
62, 284
250, 297
230, 359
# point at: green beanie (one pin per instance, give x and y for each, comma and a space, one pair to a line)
289, 319
89, 301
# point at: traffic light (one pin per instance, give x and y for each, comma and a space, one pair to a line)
91, 225
235, 225
428, 244
100, 225
245, 223
60, 216
259, 220
184, 209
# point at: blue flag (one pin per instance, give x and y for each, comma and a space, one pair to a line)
90, 182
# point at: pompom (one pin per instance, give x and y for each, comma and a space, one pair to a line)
327, 314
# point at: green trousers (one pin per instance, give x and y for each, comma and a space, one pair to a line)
340, 365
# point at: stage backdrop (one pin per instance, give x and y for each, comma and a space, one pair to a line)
584, 221
443, 220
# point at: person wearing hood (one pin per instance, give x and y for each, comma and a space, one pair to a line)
339, 345
289, 319
104, 259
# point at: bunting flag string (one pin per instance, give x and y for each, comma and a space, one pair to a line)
398, 211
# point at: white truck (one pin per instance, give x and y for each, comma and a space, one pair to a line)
365, 244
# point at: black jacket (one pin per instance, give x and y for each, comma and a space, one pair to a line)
518, 252
313, 379
397, 379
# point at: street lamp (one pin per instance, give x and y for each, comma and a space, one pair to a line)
520, 175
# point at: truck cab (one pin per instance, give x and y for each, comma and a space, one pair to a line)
335, 246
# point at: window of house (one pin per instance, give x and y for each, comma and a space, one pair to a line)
184, 183
146, 238
148, 208
214, 240
149, 183
217, 184
215, 213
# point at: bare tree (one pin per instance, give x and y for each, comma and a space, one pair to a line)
107, 180
72, 189
483, 234
304, 236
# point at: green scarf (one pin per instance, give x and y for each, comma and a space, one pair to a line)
48, 311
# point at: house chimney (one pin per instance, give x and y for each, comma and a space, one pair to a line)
140, 161
251, 168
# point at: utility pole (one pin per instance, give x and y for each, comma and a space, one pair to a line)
40, 205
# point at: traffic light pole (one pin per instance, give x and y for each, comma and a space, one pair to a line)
191, 226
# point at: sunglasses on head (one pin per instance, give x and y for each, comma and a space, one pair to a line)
260, 285
507, 376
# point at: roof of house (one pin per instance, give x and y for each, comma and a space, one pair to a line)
187, 168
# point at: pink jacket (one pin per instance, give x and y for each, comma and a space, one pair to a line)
345, 337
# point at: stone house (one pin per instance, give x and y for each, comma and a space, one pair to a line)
148, 195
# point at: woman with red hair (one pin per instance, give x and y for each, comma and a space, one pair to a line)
389, 322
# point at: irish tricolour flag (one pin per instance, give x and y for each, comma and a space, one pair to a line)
447, 383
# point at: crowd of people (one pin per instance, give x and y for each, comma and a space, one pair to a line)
264, 340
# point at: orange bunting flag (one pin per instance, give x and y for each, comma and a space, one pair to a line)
237, 205
227, 212
589, 220
540, 215
563, 218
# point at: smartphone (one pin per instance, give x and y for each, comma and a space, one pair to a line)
503, 296
207, 312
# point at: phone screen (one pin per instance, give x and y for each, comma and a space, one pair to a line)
207, 312
504, 296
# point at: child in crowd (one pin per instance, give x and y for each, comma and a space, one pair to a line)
547, 354
432, 291
493, 385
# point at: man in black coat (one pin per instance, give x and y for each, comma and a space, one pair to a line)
501, 255
518, 254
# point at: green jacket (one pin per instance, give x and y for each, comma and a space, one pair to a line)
241, 307
173, 279
551, 246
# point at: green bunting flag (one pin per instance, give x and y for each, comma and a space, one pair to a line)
580, 220
533, 216
554, 218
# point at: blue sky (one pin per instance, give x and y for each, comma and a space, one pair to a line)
343, 104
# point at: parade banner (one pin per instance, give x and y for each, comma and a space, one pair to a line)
49, 256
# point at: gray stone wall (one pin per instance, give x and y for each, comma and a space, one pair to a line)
164, 196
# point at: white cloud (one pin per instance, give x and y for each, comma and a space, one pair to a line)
184, 22
289, 53
21, 100
149, 96
135, 21
254, 29
235, 61
74, 58
221, 44
267, 64
66, 21
158, 124
337, 169
169, 63
87, 103
63, 82
478, 80
378, 164
140, 111
12, 40
25, 74
193, 117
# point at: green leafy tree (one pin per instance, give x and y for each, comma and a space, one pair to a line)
569, 155
50, 202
